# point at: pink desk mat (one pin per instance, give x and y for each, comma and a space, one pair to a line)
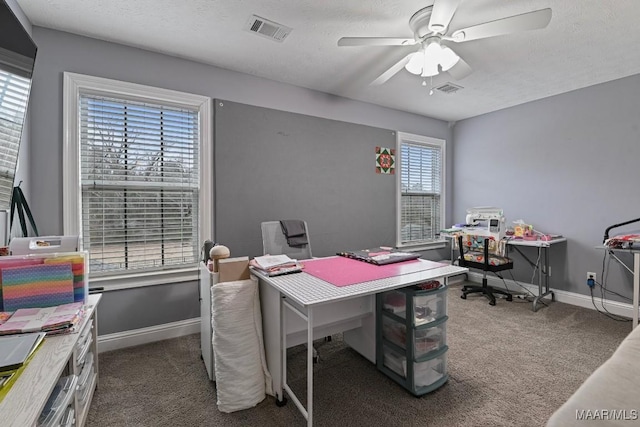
341, 271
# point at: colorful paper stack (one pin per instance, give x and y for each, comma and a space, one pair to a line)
77, 267
43, 285
9, 263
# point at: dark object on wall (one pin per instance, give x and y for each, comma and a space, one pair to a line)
19, 204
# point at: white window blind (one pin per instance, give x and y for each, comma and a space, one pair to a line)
140, 185
14, 91
421, 182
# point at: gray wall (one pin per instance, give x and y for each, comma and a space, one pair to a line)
319, 170
59, 52
566, 164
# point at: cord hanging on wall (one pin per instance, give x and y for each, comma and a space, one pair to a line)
19, 203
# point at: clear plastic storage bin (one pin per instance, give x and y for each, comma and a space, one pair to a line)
395, 361
85, 380
61, 397
412, 336
426, 339
83, 346
68, 418
428, 374
428, 305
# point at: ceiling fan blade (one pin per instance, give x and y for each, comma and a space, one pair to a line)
526, 21
441, 14
391, 71
375, 41
460, 70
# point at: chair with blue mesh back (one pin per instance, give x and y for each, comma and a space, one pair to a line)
486, 254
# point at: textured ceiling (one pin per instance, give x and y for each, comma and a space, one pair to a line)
587, 42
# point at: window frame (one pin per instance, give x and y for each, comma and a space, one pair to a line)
76, 84
401, 138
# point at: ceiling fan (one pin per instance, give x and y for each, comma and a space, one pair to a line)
430, 27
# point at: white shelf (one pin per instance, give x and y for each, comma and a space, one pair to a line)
56, 356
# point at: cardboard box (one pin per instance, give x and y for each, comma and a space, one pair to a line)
232, 269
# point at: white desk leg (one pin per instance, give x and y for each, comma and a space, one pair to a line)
271, 307
309, 367
308, 318
636, 288
283, 341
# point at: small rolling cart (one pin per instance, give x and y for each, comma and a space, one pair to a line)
412, 336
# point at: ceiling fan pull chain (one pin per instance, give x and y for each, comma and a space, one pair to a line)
431, 90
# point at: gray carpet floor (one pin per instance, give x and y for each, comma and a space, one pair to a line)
508, 366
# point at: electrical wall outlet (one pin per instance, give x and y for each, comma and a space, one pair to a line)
591, 275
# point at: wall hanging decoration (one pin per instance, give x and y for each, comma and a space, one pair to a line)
385, 160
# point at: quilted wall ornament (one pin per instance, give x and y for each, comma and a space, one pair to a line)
385, 160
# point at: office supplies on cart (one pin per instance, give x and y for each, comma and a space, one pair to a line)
611, 227
628, 242
621, 241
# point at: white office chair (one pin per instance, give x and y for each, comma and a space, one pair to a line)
274, 242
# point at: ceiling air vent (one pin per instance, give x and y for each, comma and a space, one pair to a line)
449, 88
269, 29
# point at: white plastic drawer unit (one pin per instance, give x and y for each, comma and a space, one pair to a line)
428, 305
84, 344
425, 373
84, 379
426, 339
60, 399
68, 418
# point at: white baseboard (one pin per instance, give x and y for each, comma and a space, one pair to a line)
155, 333
614, 307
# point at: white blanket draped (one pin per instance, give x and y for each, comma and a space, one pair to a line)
242, 377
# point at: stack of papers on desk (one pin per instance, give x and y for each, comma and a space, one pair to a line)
275, 265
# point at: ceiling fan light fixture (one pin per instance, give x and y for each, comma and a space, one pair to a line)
448, 58
416, 61
430, 67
